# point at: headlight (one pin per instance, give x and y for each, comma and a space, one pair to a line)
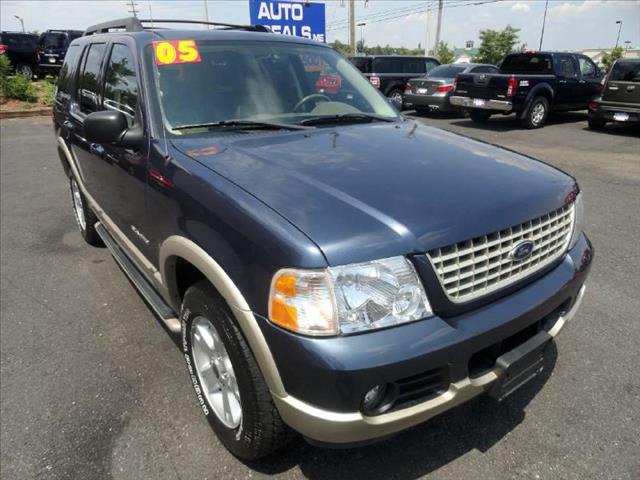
348, 299
578, 218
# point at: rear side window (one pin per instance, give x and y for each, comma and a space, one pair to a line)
431, 64
20, 42
525, 63
626, 72
484, 69
120, 86
389, 65
566, 67
361, 63
88, 80
414, 65
69, 66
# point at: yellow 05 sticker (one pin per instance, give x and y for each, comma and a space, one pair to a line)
168, 52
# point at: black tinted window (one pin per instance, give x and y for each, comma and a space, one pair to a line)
120, 86
446, 71
66, 72
566, 67
20, 42
484, 69
388, 65
587, 67
361, 63
88, 88
53, 40
626, 72
414, 65
527, 63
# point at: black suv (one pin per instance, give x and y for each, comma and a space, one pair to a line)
620, 99
390, 73
52, 47
329, 266
21, 50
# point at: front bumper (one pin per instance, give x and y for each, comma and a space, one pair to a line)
343, 368
483, 104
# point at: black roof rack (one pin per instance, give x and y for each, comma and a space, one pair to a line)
133, 24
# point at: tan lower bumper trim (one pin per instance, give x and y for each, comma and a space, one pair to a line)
335, 427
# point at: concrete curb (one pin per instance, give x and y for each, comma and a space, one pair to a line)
36, 112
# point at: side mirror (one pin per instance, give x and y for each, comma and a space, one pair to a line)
110, 127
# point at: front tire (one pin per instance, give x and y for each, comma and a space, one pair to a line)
228, 383
537, 113
85, 218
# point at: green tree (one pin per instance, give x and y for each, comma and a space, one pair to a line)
342, 48
444, 53
495, 44
609, 58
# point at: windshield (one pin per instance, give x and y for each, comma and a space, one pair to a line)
626, 72
446, 71
263, 82
526, 63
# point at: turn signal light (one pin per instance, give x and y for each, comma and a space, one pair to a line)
407, 88
375, 81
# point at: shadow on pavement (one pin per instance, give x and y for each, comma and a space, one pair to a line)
476, 425
503, 123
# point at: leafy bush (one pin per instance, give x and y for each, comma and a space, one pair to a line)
5, 71
19, 87
47, 91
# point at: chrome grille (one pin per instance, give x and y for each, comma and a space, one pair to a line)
473, 268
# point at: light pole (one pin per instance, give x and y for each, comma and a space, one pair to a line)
628, 44
619, 29
21, 22
362, 24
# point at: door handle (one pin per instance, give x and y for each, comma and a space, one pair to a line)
96, 149
562, 81
583, 81
67, 124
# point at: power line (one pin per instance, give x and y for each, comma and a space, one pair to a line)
399, 13
134, 11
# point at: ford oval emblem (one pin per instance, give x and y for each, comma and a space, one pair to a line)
521, 251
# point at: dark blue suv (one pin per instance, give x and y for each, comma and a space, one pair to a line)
331, 267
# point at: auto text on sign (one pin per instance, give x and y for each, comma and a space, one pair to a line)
290, 18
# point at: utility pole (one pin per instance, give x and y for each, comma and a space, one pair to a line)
437, 44
150, 13
361, 25
544, 20
206, 13
134, 10
426, 45
352, 26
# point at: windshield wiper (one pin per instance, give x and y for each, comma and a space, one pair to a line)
345, 118
248, 124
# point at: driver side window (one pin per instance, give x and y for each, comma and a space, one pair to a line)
121, 86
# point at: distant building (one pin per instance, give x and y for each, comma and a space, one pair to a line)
464, 55
596, 54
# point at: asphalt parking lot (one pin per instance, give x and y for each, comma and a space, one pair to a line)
93, 387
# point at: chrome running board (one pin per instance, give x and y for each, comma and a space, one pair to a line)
159, 306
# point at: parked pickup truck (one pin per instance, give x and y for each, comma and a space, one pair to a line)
531, 85
329, 266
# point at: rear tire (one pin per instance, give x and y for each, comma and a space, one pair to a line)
24, 69
596, 124
479, 116
257, 430
85, 218
396, 97
537, 113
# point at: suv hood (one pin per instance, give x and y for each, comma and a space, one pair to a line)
377, 190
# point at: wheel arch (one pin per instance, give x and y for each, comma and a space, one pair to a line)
540, 90
179, 254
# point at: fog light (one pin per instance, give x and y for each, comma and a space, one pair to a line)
377, 400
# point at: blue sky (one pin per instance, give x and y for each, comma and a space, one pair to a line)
570, 24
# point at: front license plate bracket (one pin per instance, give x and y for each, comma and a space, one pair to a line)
520, 365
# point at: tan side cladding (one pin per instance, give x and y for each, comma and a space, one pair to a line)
177, 246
